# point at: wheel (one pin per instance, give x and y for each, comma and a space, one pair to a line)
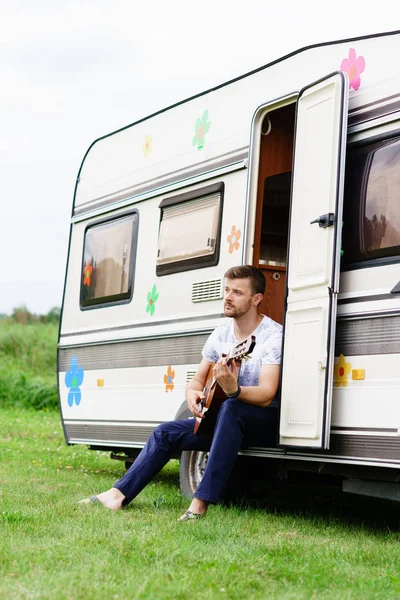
192, 467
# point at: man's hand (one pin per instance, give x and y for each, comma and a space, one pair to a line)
226, 376
193, 399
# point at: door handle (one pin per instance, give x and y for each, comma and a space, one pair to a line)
325, 221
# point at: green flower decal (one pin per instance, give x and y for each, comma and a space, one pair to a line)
201, 128
152, 298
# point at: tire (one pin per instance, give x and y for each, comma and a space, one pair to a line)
192, 462
192, 467
251, 477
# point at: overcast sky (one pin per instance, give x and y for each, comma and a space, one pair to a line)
72, 71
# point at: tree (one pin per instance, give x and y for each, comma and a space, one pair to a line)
53, 316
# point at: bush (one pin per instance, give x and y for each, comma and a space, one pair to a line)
28, 363
22, 315
20, 390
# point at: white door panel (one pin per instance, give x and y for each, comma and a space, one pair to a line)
301, 415
315, 175
313, 263
308, 263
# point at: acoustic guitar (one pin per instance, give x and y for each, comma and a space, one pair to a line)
214, 395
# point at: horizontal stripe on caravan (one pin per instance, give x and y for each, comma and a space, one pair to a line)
173, 177
333, 428
364, 336
104, 434
139, 325
182, 350
357, 446
113, 421
350, 430
358, 336
370, 298
374, 110
365, 446
189, 320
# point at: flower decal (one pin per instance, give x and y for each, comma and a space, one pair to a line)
233, 239
152, 298
87, 272
73, 380
201, 127
341, 371
147, 145
353, 66
169, 379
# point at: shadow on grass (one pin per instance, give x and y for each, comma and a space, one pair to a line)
303, 496
300, 496
168, 477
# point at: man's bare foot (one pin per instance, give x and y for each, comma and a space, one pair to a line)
111, 499
198, 507
196, 510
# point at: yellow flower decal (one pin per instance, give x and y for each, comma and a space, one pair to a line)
147, 145
169, 379
233, 239
341, 371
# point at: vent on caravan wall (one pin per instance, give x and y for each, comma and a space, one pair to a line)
203, 291
190, 375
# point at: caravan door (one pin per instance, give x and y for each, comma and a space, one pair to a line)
313, 262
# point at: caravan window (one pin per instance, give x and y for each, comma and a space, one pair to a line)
371, 224
108, 261
190, 230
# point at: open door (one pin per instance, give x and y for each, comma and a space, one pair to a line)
313, 262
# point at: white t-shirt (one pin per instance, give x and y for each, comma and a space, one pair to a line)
267, 350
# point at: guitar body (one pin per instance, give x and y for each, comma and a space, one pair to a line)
214, 395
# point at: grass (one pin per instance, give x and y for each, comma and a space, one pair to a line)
28, 364
298, 545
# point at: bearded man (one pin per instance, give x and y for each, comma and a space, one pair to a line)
245, 418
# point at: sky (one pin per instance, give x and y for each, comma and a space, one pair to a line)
73, 71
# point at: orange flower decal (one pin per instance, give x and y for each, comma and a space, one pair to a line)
169, 379
87, 271
233, 239
341, 371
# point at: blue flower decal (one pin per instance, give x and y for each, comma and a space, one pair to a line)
73, 379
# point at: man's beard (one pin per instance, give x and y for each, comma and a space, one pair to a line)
235, 312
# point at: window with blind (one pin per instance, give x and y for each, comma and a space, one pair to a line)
189, 232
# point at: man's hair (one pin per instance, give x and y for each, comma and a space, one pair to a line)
257, 279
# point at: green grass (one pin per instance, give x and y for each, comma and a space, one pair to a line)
296, 546
28, 364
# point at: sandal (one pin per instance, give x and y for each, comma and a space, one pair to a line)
94, 500
190, 516
91, 500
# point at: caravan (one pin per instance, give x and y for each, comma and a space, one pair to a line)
294, 168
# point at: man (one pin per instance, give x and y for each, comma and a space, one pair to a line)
245, 418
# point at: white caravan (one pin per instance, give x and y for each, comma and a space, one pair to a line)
294, 168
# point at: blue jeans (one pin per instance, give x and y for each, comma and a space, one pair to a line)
239, 425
